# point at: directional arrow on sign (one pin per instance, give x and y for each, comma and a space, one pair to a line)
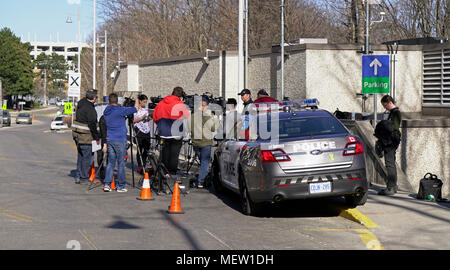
375, 64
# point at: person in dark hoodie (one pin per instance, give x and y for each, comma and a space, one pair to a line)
84, 131
116, 131
166, 115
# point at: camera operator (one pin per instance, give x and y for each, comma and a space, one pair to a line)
115, 117
141, 124
169, 115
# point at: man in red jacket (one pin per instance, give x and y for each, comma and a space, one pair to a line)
263, 97
168, 116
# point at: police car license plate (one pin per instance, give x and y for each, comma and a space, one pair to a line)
320, 187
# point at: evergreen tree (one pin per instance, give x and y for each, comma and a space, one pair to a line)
16, 69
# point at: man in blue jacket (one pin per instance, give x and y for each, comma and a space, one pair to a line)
116, 131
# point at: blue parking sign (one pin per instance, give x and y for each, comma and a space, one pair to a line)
375, 74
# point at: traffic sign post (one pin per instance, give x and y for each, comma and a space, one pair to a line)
74, 89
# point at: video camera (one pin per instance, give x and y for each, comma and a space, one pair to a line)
129, 102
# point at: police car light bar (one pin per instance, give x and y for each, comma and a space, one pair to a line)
287, 105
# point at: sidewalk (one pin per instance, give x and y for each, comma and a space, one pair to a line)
15, 112
403, 217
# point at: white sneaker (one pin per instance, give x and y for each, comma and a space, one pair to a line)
122, 190
107, 189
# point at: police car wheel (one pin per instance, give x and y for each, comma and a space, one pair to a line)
249, 208
356, 199
216, 177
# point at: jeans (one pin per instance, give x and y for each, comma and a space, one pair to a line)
116, 152
389, 158
204, 153
84, 161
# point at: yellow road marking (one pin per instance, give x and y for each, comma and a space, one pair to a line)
367, 237
217, 238
356, 216
71, 144
90, 243
16, 217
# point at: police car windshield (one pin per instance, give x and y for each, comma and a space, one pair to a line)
306, 127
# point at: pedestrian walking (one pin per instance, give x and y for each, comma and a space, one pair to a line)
389, 137
84, 132
115, 117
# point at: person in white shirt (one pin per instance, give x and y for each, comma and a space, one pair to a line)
142, 128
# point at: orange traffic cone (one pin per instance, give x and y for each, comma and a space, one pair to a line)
113, 184
146, 194
91, 169
92, 174
175, 206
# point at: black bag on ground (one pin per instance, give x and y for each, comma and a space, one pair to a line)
430, 185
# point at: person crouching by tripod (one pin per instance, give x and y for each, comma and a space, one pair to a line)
202, 125
116, 130
166, 116
141, 124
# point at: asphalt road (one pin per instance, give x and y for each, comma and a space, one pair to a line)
41, 208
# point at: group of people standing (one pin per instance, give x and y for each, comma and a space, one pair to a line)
170, 116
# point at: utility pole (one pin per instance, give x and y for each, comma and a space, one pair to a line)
246, 45
94, 45
367, 52
282, 49
45, 87
105, 62
1, 103
241, 46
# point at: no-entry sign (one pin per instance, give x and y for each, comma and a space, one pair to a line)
375, 74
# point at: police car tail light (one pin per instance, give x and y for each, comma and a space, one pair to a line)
277, 155
353, 149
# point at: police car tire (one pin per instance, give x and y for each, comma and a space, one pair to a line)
249, 208
354, 201
216, 177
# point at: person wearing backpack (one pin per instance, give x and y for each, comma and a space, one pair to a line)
389, 137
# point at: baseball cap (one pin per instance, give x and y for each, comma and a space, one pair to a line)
244, 92
262, 92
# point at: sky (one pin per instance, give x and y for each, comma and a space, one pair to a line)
45, 20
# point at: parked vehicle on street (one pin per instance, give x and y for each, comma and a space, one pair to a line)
58, 124
24, 118
315, 156
6, 119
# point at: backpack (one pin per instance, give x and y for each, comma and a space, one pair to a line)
430, 186
386, 134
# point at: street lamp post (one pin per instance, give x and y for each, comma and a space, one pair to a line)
105, 63
94, 49
282, 49
367, 50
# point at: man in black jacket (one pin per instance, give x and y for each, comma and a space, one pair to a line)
389, 142
84, 132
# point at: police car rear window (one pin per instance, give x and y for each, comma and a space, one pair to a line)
313, 126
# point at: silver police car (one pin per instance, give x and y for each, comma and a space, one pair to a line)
314, 156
